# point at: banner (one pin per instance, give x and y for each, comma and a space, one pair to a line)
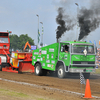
38, 36
99, 42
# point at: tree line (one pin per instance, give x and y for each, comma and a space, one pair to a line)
18, 42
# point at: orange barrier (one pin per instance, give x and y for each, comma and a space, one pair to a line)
87, 90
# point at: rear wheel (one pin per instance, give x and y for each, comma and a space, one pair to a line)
38, 69
61, 72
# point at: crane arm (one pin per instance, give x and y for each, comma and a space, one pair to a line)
27, 43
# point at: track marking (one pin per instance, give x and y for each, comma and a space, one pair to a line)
44, 87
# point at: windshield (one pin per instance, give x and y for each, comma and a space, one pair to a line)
81, 48
3, 40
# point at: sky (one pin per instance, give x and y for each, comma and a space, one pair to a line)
19, 16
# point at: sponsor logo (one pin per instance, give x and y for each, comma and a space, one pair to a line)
52, 66
52, 61
43, 64
51, 50
48, 65
40, 52
44, 52
38, 59
48, 61
36, 53
47, 56
41, 59
33, 57
51, 55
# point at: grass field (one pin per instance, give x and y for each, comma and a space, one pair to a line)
14, 95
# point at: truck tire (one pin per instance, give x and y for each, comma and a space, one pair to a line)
86, 75
0, 68
61, 72
38, 69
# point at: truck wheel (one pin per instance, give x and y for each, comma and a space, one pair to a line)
0, 68
61, 72
38, 69
86, 75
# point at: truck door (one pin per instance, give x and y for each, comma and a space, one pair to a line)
64, 54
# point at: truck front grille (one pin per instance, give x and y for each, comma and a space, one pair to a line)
83, 62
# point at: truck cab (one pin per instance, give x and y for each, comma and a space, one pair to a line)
4, 49
80, 57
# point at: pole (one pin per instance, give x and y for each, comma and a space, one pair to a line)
42, 35
38, 33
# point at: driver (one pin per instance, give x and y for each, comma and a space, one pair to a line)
66, 48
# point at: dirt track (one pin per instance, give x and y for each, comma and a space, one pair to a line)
37, 93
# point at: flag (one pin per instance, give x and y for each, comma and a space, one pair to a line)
90, 41
38, 36
82, 80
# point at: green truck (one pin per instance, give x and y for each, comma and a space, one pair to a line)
80, 57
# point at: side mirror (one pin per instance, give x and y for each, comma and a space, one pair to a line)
61, 48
